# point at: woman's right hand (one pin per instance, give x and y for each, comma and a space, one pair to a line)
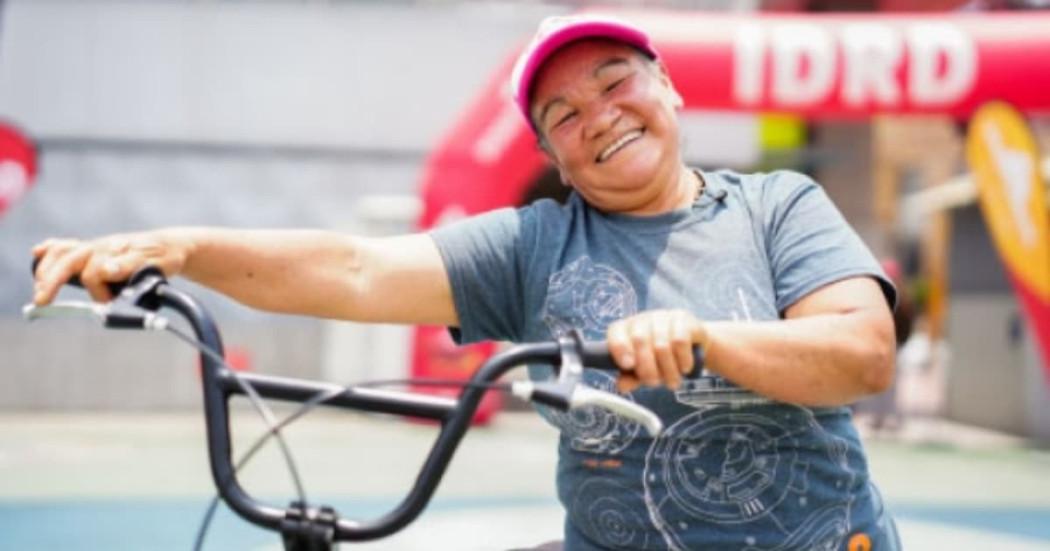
106, 259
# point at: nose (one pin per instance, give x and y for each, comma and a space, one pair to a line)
602, 119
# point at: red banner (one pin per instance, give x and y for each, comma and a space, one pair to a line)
854, 66
17, 165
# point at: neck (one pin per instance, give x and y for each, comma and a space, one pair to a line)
680, 192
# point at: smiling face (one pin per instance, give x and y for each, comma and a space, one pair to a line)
606, 118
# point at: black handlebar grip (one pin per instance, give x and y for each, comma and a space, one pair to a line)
115, 287
596, 354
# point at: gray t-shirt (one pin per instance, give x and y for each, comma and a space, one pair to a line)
732, 470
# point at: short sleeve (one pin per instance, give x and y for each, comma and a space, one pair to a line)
809, 243
482, 256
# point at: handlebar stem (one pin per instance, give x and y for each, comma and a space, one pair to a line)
455, 419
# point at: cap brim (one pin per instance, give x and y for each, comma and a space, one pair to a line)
556, 40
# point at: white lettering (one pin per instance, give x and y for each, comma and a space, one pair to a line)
749, 49
927, 43
873, 52
941, 64
796, 45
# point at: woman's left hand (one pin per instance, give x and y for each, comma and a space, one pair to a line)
655, 347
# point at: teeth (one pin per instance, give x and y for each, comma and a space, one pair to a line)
615, 146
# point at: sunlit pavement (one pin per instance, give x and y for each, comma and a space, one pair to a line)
139, 481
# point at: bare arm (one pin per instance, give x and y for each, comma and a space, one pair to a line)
395, 279
835, 345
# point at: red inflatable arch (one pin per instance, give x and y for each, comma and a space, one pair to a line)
18, 165
818, 66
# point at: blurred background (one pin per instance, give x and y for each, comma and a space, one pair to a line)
384, 117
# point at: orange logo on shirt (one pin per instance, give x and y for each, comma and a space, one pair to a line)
859, 542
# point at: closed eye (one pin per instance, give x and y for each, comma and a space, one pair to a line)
568, 116
614, 84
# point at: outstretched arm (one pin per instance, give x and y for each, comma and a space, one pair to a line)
394, 279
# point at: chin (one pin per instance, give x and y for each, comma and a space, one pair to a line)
636, 171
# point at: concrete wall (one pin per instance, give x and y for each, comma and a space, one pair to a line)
986, 384
996, 379
366, 75
242, 114
72, 364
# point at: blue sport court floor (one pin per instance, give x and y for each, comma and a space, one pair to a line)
95, 481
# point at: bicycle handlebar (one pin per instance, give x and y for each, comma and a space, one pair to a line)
115, 287
148, 291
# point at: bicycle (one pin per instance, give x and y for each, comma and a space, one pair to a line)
137, 305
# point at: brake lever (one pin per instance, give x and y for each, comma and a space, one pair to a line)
587, 396
569, 392
570, 396
113, 315
66, 309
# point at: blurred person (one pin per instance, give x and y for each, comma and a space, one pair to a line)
923, 364
790, 309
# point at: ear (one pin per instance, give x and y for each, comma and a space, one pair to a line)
665, 78
553, 160
565, 180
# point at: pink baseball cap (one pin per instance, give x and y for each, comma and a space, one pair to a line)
557, 31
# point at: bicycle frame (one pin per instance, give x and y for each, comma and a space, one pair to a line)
318, 528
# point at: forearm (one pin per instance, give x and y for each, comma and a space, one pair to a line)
399, 279
305, 272
823, 360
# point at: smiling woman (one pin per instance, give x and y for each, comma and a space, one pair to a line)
758, 271
605, 115
640, 254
